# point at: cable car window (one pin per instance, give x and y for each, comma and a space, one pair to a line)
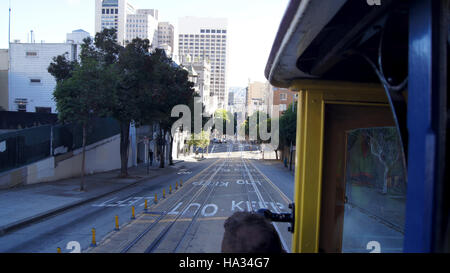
375, 191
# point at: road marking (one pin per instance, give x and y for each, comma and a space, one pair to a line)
220, 218
261, 199
271, 183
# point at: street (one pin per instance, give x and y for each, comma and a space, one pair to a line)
189, 219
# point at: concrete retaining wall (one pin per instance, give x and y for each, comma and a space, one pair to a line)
100, 157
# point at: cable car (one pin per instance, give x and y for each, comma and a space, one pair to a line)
372, 125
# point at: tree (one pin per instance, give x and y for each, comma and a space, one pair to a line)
132, 96
385, 146
200, 140
225, 118
80, 94
258, 116
62, 68
174, 89
288, 129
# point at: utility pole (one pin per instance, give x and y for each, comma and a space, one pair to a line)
9, 25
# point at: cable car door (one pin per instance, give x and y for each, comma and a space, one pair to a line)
363, 181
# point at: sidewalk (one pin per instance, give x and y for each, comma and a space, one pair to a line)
24, 205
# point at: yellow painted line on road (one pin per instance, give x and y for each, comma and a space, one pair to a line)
271, 183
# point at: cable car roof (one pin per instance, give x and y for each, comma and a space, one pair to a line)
314, 36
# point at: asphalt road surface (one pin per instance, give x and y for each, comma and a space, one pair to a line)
189, 219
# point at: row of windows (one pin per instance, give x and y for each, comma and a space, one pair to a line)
201, 36
284, 96
213, 31
203, 44
136, 21
110, 11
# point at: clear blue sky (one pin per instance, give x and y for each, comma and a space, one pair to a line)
252, 25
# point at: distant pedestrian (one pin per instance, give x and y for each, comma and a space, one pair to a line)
150, 156
247, 232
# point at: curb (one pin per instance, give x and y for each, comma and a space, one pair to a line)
35, 218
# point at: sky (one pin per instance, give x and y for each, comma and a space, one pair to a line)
252, 25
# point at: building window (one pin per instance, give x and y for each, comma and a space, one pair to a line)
31, 54
283, 107
283, 96
208, 31
35, 81
47, 110
103, 11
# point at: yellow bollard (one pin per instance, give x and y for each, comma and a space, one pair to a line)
146, 206
117, 223
176, 185
164, 193
156, 198
94, 243
58, 250
132, 213
170, 189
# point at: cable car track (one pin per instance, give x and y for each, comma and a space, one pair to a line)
156, 242
174, 223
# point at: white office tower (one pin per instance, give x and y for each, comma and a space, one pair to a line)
143, 24
207, 38
112, 14
129, 22
166, 38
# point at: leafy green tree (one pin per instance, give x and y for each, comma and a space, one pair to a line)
200, 140
132, 96
288, 129
171, 88
61, 67
80, 94
257, 115
222, 116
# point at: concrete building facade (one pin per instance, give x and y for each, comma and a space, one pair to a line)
200, 74
30, 86
4, 67
133, 23
142, 23
282, 97
166, 37
207, 38
257, 99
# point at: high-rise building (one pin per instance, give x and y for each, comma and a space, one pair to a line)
142, 23
257, 97
166, 37
129, 22
207, 38
112, 14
